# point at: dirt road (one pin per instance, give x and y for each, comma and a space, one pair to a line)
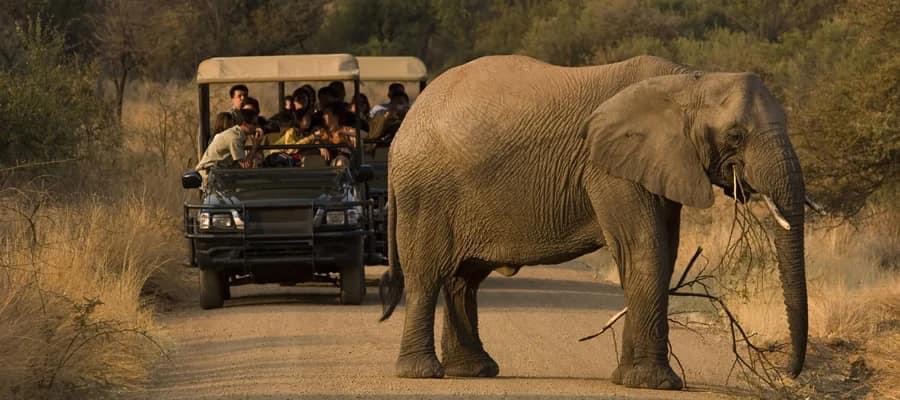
274, 342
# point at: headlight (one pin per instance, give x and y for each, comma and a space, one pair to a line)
225, 220
353, 216
203, 220
222, 221
335, 218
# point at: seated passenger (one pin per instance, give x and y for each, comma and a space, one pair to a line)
237, 94
310, 95
394, 89
253, 104
227, 147
223, 121
328, 97
336, 131
360, 103
385, 124
298, 134
301, 102
286, 115
340, 91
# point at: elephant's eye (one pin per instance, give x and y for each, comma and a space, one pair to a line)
735, 136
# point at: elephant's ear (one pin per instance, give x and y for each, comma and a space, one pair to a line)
640, 135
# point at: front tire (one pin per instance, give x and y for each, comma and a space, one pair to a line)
212, 289
353, 281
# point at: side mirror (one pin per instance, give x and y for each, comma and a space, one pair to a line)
191, 180
365, 173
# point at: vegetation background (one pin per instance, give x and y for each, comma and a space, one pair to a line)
98, 116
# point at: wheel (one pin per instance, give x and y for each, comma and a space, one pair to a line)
226, 288
353, 281
212, 289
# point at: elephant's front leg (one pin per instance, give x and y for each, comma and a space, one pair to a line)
417, 357
647, 329
463, 353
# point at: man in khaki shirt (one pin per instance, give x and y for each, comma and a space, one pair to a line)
227, 148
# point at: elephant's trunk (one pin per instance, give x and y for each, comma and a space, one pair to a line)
782, 181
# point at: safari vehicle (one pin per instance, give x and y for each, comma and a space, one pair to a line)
282, 225
375, 70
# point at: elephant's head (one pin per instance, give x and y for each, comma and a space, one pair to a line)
677, 135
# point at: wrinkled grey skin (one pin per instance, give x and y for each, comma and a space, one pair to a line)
507, 161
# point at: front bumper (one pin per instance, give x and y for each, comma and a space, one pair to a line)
277, 257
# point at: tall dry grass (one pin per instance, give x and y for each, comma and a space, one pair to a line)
71, 316
85, 259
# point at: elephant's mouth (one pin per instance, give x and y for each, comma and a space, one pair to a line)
731, 180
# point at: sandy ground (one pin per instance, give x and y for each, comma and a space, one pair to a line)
273, 342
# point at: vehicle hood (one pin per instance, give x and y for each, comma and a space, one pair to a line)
276, 185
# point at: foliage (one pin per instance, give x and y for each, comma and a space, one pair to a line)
48, 109
833, 64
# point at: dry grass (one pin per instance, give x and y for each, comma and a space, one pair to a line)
71, 316
81, 270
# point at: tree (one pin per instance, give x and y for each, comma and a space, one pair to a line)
121, 38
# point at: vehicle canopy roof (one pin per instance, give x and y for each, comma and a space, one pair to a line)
307, 67
391, 69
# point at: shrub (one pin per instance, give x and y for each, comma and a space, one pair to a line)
50, 109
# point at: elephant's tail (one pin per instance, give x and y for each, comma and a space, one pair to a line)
391, 287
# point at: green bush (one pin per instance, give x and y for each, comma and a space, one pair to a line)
50, 108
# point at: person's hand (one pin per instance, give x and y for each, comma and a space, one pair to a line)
246, 163
325, 154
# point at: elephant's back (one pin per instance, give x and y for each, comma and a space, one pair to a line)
491, 106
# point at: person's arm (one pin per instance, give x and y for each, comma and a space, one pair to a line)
247, 162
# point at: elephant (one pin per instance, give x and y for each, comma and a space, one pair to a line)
507, 161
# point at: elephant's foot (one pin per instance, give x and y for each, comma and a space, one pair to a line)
471, 364
419, 366
648, 376
616, 377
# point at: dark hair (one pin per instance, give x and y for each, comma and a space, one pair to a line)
395, 88
334, 109
327, 93
363, 101
235, 88
224, 120
288, 98
250, 101
340, 111
310, 93
301, 93
402, 95
339, 90
247, 116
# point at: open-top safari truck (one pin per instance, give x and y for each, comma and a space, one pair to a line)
383, 70
279, 225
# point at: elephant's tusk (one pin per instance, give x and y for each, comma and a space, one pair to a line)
734, 184
815, 206
777, 214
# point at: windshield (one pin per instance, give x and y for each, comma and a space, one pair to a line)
303, 183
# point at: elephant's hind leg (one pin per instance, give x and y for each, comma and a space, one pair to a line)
417, 357
463, 352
